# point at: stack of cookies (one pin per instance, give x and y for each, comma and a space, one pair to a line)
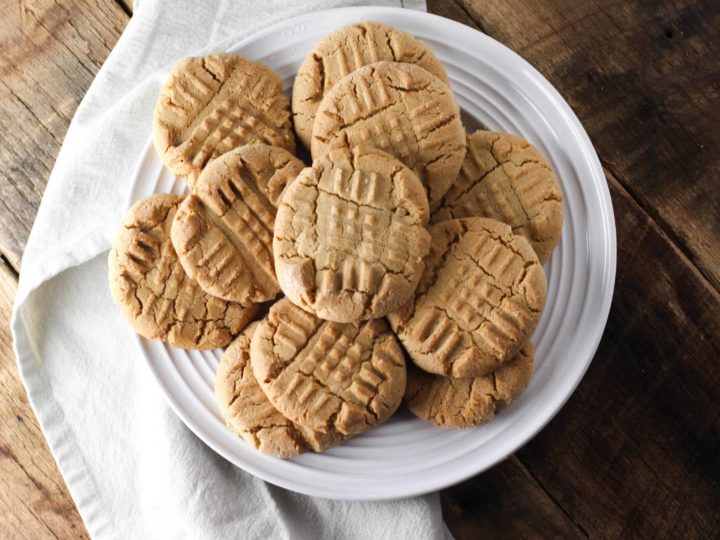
404, 263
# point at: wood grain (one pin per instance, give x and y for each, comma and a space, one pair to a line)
34, 502
51, 51
634, 452
505, 502
644, 78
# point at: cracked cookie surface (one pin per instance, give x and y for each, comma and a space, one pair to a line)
223, 232
350, 235
156, 295
328, 376
506, 178
478, 301
399, 108
468, 402
248, 413
212, 104
344, 51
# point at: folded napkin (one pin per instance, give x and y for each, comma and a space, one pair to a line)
133, 469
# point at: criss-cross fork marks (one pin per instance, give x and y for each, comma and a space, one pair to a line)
359, 245
231, 256
157, 295
508, 193
363, 188
334, 366
229, 126
476, 308
358, 50
390, 132
417, 124
212, 106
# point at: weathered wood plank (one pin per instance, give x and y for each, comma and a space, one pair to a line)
634, 452
644, 79
505, 502
50, 53
34, 502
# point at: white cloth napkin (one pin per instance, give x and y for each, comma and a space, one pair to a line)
133, 469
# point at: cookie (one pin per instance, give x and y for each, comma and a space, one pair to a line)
399, 108
468, 402
155, 294
350, 235
506, 178
326, 376
344, 51
213, 104
223, 232
247, 411
480, 298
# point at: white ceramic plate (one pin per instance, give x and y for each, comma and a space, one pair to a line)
406, 456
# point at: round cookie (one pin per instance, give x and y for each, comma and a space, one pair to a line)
506, 178
247, 411
468, 402
350, 235
399, 108
223, 232
342, 52
480, 298
327, 376
212, 104
154, 292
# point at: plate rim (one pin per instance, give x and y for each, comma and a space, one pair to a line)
608, 271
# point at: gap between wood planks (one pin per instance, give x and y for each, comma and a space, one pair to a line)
641, 64
126, 6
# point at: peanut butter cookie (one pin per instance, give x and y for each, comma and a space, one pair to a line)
506, 178
155, 294
399, 108
328, 376
468, 402
350, 235
213, 104
247, 411
223, 233
478, 301
344, 51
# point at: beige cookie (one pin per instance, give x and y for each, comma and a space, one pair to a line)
350, 235
478, 301
506, 178
213, 104
399, 108
223, 233
247, 411
344, 51
468, 402
155, 294
326, 376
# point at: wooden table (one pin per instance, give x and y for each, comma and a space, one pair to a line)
635, 452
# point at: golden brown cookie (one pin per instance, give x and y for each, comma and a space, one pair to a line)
213, 104
328, 376
506, 178
223, 233
478, 301
350, 235
155, 294
344, 51
468, 402
247, 411
399, 108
